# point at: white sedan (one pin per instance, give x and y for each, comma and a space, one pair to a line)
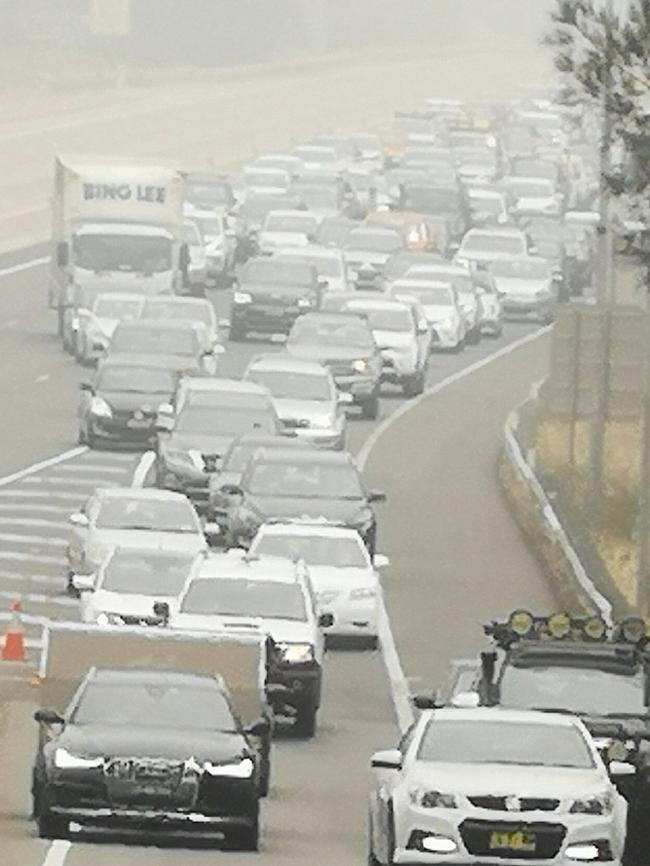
494, 787
342, 574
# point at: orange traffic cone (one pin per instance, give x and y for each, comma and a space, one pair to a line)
13, 649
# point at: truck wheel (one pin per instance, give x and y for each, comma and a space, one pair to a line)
245, 838
370, 407
474, 337
265, 776
49, 826
306, 712
414, 385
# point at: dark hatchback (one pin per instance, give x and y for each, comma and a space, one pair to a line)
120, 405
149, 750
271, 295
283, 484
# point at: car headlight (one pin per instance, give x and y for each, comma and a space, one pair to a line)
296, 653
304, 302
242, 298
241, 770
105, 619
100, 408
65, 760
363, 592
360, 365
432, 799
598, 804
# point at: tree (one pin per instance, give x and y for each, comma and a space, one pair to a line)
601, 50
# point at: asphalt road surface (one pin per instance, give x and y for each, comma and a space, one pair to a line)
456, 555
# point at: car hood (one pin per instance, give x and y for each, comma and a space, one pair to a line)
500, 779
128, 604
175, 363
393, 339
206, 444
324, 577
518, 286
335, 510
110, 538
131, 400
436, 313
151, 742
281, 630
326, 352
315, 411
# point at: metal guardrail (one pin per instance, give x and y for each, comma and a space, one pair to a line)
548, 514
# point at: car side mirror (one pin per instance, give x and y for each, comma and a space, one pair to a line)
161, 610
466, 700
380, 560
621, 768
388, 759
259, 728
218, 349
232, 490
85, 386
326, 620
376, 496
428, 701
78, 518
48, 717
62, 255
345, 398
212, 532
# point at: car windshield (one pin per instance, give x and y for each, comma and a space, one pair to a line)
304, 224
157, 515
486, 243
117, 308
155, 341
178, 309
247, 598
315, 550
284, 384
374, 242
579, 690
304, 480
526, 268
127, 253
333, 233
325, 266
150, 573
526, 744
530, 189
395, 319
459, 280
227, 420
268, 178
431, 296
331, 333
140, 380
272, 272
320, 197
256, 208
154, 705
492, 204
432, 200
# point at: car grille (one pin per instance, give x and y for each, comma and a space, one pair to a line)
518, 804
477, 835
296, 423
140, 620
144, 769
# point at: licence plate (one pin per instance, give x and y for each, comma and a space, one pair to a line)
138, 423
516, 840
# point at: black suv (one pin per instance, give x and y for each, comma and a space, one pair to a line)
270, 295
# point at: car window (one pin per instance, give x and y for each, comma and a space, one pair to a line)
248, 598
159, 515
132, 572
315, 550
309, 480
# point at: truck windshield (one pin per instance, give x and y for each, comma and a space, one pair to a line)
125, 253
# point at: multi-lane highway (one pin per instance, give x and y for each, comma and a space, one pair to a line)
456, 555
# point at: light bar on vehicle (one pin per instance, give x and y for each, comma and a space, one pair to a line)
562, 626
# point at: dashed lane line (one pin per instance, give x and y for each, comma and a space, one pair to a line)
43, 464
36, 540
24, 266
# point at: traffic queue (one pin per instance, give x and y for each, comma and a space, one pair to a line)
209, 592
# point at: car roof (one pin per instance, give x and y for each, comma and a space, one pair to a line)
225, 386
378, 303
288, 363
406, 282
176, 299
269, 440
157, 324
120, 296
239, 563
443, 267
496, 232
312, 251
516, 259
332, 318
146, 494
498, 714
148, 676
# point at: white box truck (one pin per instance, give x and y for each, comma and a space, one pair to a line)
115, 226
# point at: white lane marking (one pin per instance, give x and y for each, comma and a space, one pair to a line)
68, 481
142, 469
35, 508
18, 556
36, 540
21, 577
93, 469
57, 852
34, 521
18, 493
40, 379
398, 683
24, 266
44, 464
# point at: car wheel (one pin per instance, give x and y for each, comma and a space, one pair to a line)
245, 838
265, 776
370, 407
237, 334
372, 859
306, 713
49, 826
474, 336
390, 840
460, 345
414, 385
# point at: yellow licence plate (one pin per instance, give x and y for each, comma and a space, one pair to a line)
517, 840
